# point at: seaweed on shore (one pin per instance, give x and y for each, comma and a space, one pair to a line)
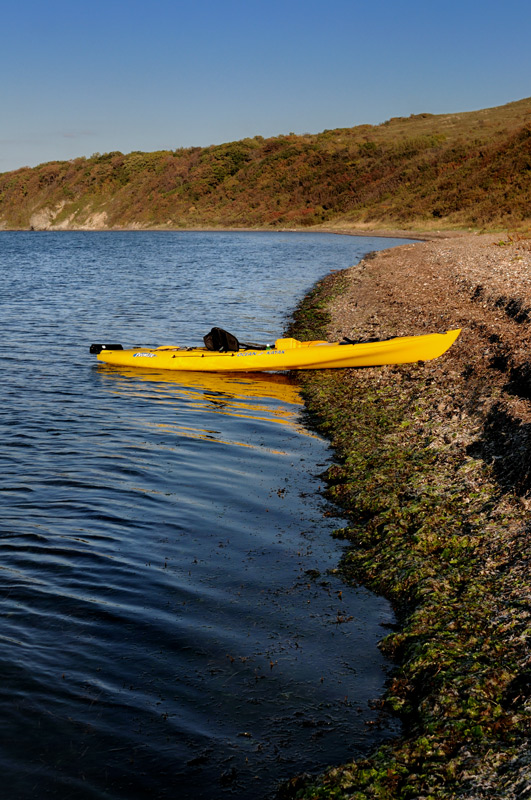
311, 318
430, 528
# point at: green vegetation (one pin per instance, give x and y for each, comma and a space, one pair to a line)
425, 171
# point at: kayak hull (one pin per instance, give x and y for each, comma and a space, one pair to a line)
287, 354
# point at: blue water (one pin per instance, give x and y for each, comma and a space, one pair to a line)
171, 622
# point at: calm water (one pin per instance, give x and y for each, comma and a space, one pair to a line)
170, 626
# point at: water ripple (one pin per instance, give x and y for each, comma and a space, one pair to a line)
171, 621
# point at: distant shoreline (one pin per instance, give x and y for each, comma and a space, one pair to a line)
383, 233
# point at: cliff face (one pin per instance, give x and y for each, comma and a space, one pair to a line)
422, 172
51, 218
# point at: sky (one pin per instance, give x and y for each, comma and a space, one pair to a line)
106, 75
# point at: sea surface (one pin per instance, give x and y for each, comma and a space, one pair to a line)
171, 625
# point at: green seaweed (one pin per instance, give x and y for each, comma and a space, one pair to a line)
428, 528
311, 318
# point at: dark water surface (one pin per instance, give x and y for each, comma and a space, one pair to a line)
169, 625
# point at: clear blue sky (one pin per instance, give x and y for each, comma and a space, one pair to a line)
80, 78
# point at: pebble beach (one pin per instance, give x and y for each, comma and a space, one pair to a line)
434, 476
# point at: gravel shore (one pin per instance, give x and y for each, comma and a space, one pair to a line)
449, 543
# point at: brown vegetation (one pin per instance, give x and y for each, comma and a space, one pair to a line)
425, 171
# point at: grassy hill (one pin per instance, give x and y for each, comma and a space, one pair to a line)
468, 170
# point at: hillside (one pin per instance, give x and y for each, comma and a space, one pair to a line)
468, 170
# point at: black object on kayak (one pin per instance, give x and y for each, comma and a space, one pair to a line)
224, 342
95, 349
220, 340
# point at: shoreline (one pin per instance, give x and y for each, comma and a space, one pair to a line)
339, 230
434, 477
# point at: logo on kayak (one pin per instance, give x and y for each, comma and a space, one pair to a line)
144, 355
248, 353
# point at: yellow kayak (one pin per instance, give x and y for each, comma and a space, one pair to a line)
285, 354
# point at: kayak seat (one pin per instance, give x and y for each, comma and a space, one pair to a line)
220, 340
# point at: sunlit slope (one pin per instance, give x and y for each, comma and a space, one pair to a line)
426, 171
